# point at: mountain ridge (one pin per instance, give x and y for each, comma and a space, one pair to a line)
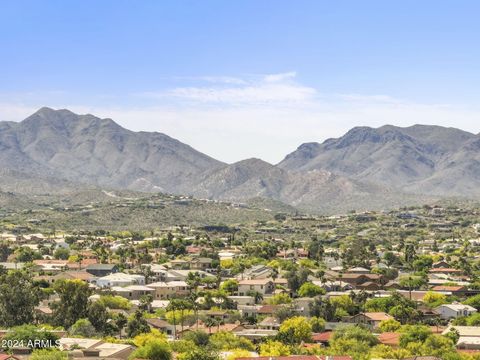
367, 168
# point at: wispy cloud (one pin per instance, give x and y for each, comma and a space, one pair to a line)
280, 77
267, 89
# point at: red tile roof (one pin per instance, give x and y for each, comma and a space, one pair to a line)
448, 288
389, 338
322, 337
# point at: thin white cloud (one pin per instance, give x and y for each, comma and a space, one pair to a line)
280, 77
268, 89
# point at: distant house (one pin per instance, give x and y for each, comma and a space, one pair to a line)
166, 290
355, 279
358, 270
133, 292
453, 311
454, 290
262, 286
370, 319
120, 279
256, 272
200, 263
269, 323
440, 264
161, 325
447, 271
469, 336
179, 264
100, 270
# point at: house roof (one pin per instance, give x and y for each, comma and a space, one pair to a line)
254, 282
458, 307
389, 338
101, 266
377, 316
467, 331
322, 337
448, 288
269, 309
158, 323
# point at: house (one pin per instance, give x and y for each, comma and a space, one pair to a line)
256, 272
358, 279
454, 290
51, 265
333, 285
242, 300
447, 271
200, 263
269, 323
440, 264
182, 275
322, 338
370, 319
166, 290
469, 336
455, 310
120, 279
100, 270
161, 325
262, 286
303, 305
358, 270
133, 292
179, 264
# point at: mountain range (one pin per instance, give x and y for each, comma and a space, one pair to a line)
56, 150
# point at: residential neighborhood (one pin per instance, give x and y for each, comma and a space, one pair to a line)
382, 286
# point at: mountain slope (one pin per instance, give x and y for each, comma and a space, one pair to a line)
420, 159
86, 149
314, 191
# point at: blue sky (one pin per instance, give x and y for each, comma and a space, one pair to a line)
237, 79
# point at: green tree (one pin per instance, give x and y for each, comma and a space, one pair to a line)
137, 325
83, 328
153, 350
414, 333
73, 302
199, 354
389, 325
98, 315
274, 348
230, 286
434, 299
295, 330
278, 299
309, 289
473, 301
48, 354
18, 298
61, 253
225, 341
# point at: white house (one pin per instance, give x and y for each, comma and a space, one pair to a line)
455, 310
120, 279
